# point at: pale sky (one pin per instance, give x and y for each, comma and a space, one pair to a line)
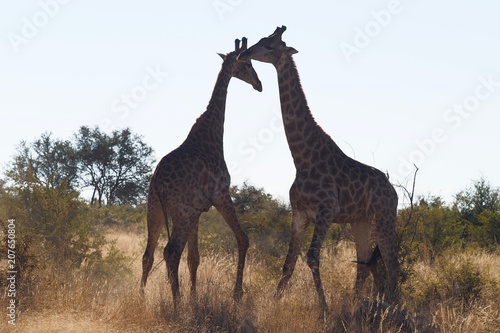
392, 82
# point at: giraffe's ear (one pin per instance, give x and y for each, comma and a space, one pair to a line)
223, 56
290, 50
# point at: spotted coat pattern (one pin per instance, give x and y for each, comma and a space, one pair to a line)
191, 179
329, 186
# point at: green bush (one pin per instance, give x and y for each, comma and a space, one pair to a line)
56, 235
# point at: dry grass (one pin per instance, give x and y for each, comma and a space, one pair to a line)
436, 298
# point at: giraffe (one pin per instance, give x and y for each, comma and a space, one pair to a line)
329, 186
191, 179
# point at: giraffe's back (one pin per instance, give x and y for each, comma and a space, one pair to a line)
354, 190
190, 177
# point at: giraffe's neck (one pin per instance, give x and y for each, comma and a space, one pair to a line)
302, 132
208, 130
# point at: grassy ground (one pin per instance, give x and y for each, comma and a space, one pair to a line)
457, 293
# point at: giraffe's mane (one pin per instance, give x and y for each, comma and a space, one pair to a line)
201, 123
318, 129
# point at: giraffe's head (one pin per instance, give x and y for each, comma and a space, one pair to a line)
242, 70
268, 49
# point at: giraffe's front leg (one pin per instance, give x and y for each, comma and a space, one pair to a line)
224, 206
182, 225
313, 263
193, 259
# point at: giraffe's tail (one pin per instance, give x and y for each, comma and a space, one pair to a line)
164, 211
156, 216
376, 256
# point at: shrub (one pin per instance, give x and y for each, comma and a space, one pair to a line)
456, 278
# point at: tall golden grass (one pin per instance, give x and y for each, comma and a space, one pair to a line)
459, 292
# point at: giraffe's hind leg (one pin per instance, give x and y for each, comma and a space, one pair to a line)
182, 226
386, 240
323, 222
375, 266
361, 233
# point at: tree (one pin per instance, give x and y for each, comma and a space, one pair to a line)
479, 208
57, 231
94, 159
51, 163
131, 169
248, 198
259, 210
474, 200
40, 196
116, 167
267, 221
434, 228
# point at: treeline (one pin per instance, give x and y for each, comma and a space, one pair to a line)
59, 231
472, 220
115, 168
